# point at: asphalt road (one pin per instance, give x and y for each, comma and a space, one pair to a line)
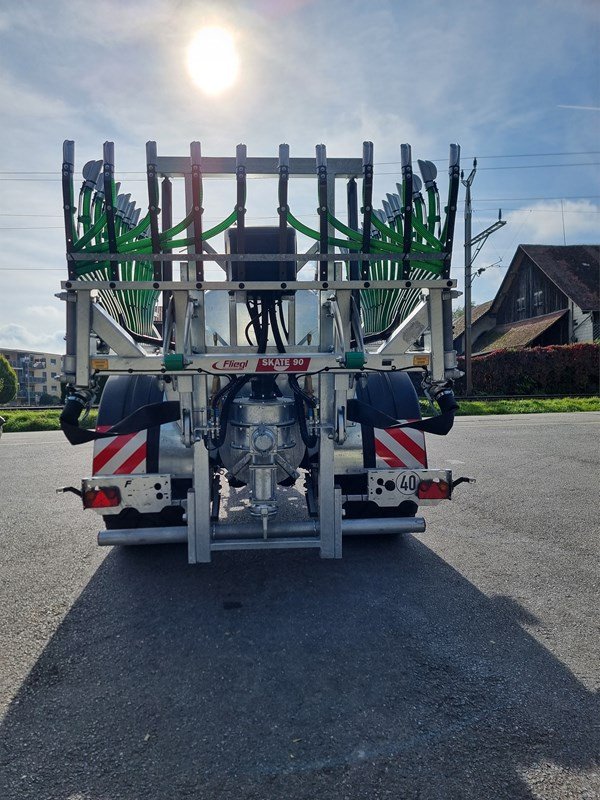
460, 663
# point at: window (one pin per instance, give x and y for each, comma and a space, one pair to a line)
520, 307
538, 301
53, 361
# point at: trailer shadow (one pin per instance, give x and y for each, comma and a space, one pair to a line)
276, 674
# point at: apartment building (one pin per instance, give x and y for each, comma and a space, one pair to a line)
37, 374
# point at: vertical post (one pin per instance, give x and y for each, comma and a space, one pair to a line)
109, 205
198, 507
328, 532
82, 338
69, 207
321, 159
196, 205
166, 223
468, 280
367, 206
407, 201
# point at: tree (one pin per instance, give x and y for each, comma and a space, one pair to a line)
8, 381
47, 399
459, 312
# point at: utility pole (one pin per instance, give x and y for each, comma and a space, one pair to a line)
470, 240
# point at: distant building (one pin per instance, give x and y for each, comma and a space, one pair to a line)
549, 295
37, 373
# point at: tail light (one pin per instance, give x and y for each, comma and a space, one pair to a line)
102, 497
433, 490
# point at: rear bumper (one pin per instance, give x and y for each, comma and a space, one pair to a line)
225, 536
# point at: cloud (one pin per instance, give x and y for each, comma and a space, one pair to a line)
43, 314
545, 222
20, 338
582, 108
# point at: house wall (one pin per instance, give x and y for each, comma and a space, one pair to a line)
485, 323
583, 325
531, 294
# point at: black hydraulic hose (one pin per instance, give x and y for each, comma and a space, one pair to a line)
254, 315
295, 387
309, 440
264, 327
300, 398
223, 390
140, 337
231, 389
72, 409
275, 326
282, 319
247, 334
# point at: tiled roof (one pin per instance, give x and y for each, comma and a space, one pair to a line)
476, 313
517, 334
575, 269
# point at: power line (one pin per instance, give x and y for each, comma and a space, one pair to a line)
22, 179
480, 213
377, 163
512, 155
274, 216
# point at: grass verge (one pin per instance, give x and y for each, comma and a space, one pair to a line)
22, 421
540, 405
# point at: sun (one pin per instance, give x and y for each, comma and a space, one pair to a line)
212, 60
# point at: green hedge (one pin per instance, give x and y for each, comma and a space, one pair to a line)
21, 421
559, 369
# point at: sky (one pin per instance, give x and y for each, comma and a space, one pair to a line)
516, 84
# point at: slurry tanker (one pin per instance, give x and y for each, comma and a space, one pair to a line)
294, 372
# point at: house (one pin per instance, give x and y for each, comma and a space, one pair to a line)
481, 322
549, 295
37, 373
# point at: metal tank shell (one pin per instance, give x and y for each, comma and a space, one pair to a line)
261, 429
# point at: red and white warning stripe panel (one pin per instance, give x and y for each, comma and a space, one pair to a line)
400, 447
120, 455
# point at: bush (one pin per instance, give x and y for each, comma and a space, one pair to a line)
8, 381
22, 421
558, 369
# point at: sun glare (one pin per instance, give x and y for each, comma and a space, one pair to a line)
212, 60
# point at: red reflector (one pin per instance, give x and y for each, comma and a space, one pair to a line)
105, 497
432, 490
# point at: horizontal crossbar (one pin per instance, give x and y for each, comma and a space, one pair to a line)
272, 286
97, 258
220, 167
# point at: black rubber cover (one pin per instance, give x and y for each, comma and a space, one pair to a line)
124, 394
392, 393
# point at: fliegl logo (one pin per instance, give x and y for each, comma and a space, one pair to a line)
231, 365
282, 364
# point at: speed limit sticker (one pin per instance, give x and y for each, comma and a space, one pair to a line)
407, 483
